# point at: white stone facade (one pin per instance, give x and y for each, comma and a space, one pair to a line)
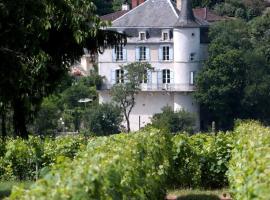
185, 54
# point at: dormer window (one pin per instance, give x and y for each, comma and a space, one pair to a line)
142, 35
165, 35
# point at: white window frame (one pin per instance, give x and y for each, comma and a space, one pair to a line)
166, 53
163, 34
119, 53
166, 76
142, 35
142, 53
119, 76
192, 75
144, 77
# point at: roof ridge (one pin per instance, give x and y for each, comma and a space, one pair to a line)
131, 10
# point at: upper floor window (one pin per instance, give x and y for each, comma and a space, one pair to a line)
142, 35
165, 35
165, 53
119, 76
166, 76
118, 52
142, 53
144, 77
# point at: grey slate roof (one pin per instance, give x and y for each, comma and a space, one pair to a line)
151, 13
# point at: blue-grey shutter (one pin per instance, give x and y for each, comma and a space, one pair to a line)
125, 77
113, 77
159, 77
171, 53
147, 54
149, 77
113, 54
137, 53
124, 54
160, 53
171, 77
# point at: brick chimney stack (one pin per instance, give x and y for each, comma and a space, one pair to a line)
135, 3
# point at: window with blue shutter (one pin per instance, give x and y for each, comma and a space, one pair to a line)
124, 54
137, 53
113, 76
160, 54
172, 77
147, 53
159, 77
171, 53
113, 55
149, 77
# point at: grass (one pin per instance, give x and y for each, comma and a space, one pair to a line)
197, 194
6, 187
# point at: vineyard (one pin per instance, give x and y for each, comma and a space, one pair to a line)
140, 165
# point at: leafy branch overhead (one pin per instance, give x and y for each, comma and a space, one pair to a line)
39, 41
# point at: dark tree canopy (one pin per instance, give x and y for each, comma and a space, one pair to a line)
39, 40
234, 82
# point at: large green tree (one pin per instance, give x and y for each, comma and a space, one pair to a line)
39, 40
234, 82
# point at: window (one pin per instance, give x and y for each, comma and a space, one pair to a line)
142, 53
118, 52
192, 56
165, 35
142, 35
192, 78
165, 53
119, 73
144, 77
166, 76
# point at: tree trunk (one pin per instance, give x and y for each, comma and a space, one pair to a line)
128, 123
19, 120
3, 121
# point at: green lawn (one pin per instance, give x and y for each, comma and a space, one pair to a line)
6, 187
197, 194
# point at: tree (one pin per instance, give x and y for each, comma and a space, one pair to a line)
46, 121
234, 82
104, 119
39, 40
124, 92
174, 122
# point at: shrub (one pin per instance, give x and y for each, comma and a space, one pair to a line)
249, 173
202, 160
174, 122
124, 166
104, 119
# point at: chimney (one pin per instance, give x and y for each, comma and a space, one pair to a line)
125, 6
135, 3
178, 4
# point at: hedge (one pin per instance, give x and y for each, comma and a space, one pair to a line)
124, 166
249, 172
202, 160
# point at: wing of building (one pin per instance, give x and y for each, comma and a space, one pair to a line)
172, 37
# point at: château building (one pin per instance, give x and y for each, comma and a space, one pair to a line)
173, 38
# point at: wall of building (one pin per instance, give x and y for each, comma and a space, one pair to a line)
150, 103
